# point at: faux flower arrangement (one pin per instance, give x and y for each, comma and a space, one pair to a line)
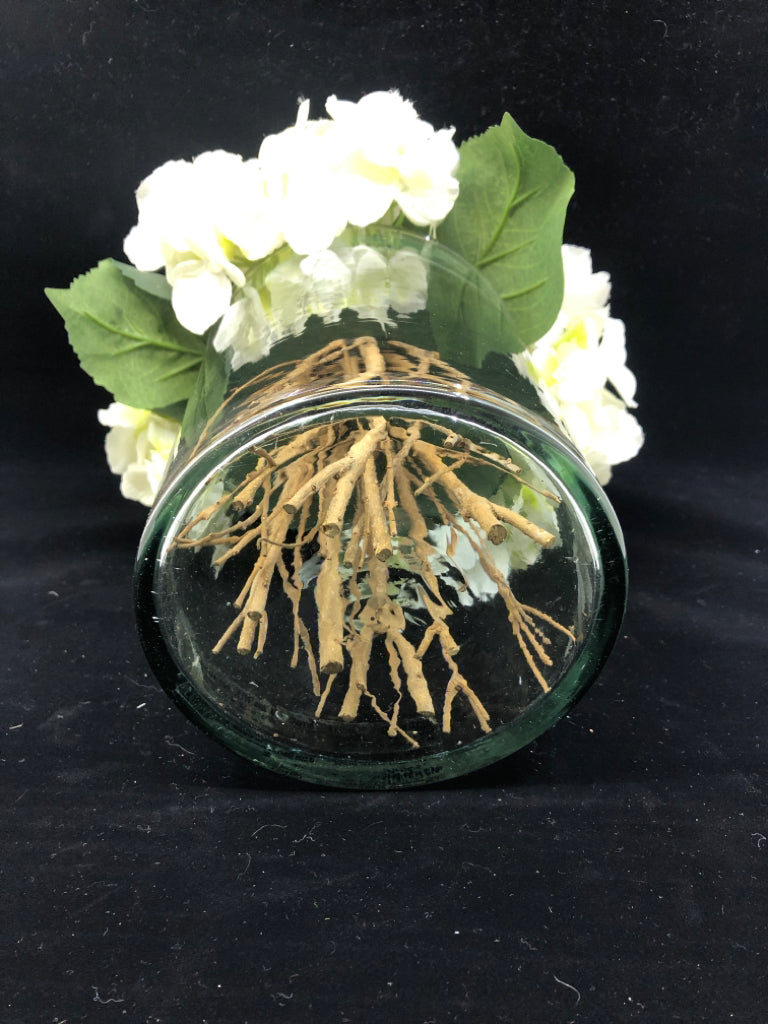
385, 538
215, 223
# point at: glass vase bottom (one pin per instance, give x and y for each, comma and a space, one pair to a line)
337, 595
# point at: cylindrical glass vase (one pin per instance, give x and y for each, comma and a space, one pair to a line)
376, 560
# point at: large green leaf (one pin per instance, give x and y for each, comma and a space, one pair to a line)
508, 222
126, 336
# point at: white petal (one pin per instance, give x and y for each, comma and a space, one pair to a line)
312, 220
579, 376
369, 286
289, 295
247, 216
162, 435
329, 281
429, 189
605, 433
135, 485
586, 293
165, 181
245, 330
366, 200
144, 248
408, 282
614, 350
578, 425
119, 415
429, 207
625, 382
199, 299
139, 446
155, 468
120, 446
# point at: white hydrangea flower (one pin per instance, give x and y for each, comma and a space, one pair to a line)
204, 220
385, 153
322, 284
139, 446
301, 179
379, 284
315, 285
350, 169
182, 207
580, 369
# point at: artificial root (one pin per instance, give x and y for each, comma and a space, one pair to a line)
357, 493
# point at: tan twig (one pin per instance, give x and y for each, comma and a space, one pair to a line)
366, 491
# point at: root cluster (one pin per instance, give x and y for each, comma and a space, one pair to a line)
359, 497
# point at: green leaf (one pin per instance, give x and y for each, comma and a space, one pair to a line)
126, 336
508, 222
155, 284
467, 317
208, 395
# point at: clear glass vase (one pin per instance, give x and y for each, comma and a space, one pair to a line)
376, 560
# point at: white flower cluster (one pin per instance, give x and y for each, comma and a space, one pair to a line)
323, 284
204, 221
139, 446
579, 367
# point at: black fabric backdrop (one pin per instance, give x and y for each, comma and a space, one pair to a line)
615, 870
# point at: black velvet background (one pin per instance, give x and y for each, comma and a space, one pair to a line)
616, 870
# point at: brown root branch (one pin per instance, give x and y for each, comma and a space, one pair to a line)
361, 497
